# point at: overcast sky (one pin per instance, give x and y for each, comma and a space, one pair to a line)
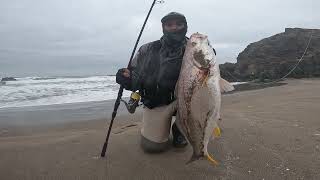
88, 37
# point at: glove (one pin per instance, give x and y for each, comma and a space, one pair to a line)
122, 79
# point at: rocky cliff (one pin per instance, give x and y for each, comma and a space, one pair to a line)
273, 57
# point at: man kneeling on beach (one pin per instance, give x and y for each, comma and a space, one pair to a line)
154, 72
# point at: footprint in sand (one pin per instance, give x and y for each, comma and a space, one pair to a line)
124, 128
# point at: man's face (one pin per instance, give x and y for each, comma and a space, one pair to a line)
173, 25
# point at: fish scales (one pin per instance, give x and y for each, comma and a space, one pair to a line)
198, 94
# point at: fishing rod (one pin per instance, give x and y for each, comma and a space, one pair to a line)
117, 102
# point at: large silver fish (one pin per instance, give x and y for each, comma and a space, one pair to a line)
198, 93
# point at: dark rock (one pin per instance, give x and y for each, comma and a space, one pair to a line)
273, 57
8, 79
227, 71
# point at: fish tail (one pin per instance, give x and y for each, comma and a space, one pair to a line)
194, 157
213, 161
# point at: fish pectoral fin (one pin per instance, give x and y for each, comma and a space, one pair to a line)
212, 160
225, 86
216, 132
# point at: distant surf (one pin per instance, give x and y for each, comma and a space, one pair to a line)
39, 91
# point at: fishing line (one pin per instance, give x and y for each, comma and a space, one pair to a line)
300, 60
294, 67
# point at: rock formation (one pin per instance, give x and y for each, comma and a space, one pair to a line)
273, 57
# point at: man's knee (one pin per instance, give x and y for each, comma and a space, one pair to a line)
153, 147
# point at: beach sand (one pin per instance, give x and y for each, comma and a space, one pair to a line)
270, 133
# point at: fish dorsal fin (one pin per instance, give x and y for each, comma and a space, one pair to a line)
225, 86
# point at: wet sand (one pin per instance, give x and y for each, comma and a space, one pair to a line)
270, 133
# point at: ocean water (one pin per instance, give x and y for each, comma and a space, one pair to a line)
38, 91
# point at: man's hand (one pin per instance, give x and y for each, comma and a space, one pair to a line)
123, 78
125, 72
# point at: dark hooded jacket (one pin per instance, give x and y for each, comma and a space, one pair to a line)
155, 68
155, 71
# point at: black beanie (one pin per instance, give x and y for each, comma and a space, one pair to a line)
174, 15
